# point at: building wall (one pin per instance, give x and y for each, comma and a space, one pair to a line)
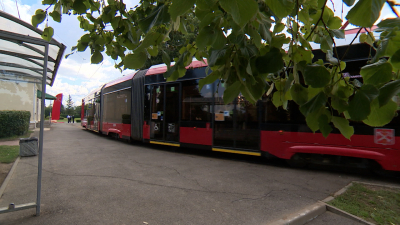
20, 96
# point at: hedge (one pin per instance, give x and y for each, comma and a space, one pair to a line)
14, 122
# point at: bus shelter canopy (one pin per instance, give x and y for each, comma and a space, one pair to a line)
22, 52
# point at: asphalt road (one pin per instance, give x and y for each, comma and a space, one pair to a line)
91, 179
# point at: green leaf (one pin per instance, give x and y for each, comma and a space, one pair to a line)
242, 11
258, 89
338, 33
219, 40
38, 18
179, 7
151, 39
317, 76
47, 33
324, 127
335, 23
48, 2
380, 116
96, 58
395, 59
217, 57
365, 38
56, 16
79, 6
278, 28
390, 22
265, 33
210, 78
344, 92
331, 59
271, 62
281, 8
135, 60
166, 59
377, 73
343, 125
365, 12
158, 16
232, 92
246, 91
82, 46
301, 54
205, 37
279, 40
100, 41
388, 91
299, 94
153, 51
278, 98
339, 104
360, 104
314, 104
248, 51
349, 2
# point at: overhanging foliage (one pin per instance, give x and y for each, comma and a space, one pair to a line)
254, 47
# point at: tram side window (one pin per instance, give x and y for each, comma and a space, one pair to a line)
117, 107
196, 104
90, 116
271, 114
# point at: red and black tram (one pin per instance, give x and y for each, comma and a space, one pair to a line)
145, 107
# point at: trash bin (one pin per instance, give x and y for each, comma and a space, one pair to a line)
28, 146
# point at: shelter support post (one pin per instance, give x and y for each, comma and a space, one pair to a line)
39, 179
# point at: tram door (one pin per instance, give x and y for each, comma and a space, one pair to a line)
96, 116
236, 123
164, 124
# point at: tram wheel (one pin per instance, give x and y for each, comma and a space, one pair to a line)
297, 161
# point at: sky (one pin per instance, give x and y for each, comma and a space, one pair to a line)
77, 76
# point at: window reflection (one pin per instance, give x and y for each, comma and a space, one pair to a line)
196, 104
117, 107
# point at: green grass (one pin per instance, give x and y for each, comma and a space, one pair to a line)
375, 204
8, 154
17, 137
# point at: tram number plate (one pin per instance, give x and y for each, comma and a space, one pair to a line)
384, 136
171, 128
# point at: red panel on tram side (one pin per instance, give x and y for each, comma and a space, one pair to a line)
119, 128
194, 135
285, 144
146, 131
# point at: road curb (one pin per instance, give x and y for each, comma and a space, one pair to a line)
9, 175
302, 216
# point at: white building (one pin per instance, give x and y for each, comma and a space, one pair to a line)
23, 64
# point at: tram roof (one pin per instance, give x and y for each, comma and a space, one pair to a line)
163, 69
120, 79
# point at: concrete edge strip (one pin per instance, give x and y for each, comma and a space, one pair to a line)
8, 178
302, 216
346, 214
378, 185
